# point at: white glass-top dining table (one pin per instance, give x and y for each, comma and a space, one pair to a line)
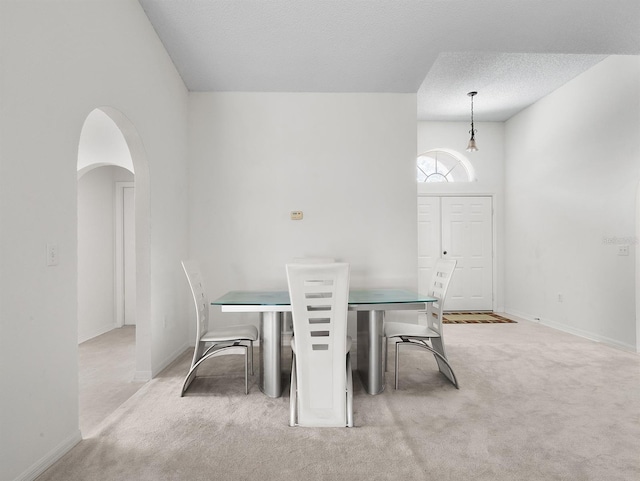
370, 305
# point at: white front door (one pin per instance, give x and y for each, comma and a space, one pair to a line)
458, 228
429, 239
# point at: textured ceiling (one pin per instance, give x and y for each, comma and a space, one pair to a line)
511, 52
506, 83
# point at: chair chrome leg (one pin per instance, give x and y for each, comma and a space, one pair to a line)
386, 352
246, 370
442, 361
188, 380
349, 393
215, 351
397, 363
251, 354
293, 394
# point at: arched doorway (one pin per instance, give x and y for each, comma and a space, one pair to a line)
106, 231
110, 153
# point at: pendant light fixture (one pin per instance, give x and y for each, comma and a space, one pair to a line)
472, 141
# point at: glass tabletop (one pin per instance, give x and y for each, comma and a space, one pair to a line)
386, 296
253, 298
356, 296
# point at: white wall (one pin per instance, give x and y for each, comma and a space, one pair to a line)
346, 160
488, 161
60, 60
572, 172
489, 165
96, 237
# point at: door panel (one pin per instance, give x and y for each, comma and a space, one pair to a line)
467, 236
429, 233
461, 227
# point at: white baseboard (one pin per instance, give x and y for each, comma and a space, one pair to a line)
142, 376
168, 360
50, 458
96, 332
521, 315
575, 331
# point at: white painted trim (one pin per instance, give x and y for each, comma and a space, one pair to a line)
118, 243
576, 332
95, 165
98, 332
48, 460
142, 376
494, 240
167, 361
637, 286
143, 238
466, 163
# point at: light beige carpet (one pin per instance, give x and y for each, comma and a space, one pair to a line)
534, 404
106, 367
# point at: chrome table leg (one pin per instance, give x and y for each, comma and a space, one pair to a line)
271, 353
371, 350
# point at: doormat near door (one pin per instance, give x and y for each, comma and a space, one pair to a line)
474, 318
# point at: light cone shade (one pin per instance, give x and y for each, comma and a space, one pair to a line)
472, 146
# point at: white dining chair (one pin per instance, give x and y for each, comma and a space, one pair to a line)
287, 319
213, 342
313, 260
430, 335
321, 378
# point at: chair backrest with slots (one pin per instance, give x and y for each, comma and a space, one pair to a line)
200, 298
442, 274
319, 300
313, 260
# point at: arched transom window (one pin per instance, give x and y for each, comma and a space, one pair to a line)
443, 165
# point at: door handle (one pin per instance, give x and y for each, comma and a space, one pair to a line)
444, 253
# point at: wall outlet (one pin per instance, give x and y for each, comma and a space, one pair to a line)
52, 255
623, 250
560, 297
296, 215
